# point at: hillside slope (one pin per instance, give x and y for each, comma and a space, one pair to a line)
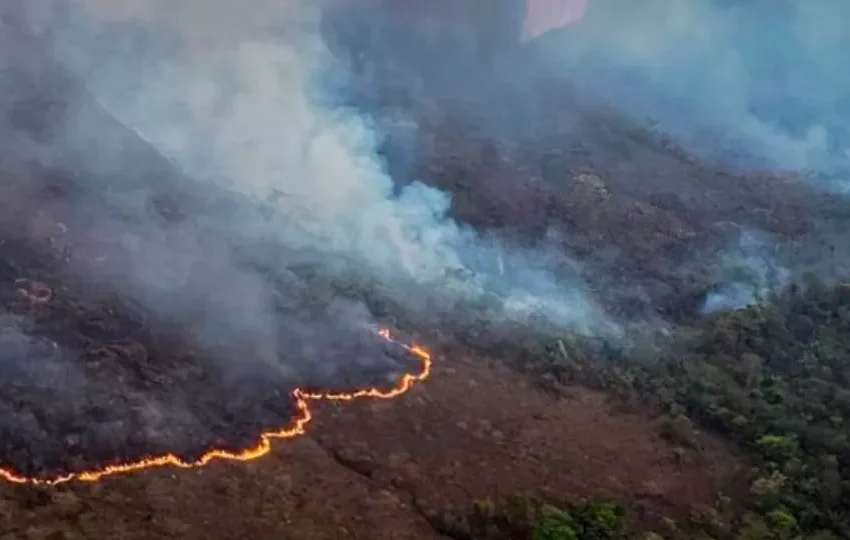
642, 216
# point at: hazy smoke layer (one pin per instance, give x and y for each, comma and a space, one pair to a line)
749, 273
544, 15
244, 99
762, 82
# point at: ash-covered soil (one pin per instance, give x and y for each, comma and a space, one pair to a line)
91, 379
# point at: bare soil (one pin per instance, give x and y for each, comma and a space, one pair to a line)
386, 469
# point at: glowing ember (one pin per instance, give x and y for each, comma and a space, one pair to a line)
262, 448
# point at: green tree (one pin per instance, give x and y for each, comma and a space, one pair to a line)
602, 521
776, 448
783, 525
553, 524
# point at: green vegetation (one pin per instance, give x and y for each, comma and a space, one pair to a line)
774, 378
523, 519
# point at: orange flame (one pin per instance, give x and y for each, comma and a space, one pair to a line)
264, 445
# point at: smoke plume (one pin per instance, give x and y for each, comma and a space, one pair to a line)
749, 82
246, 101
748, 273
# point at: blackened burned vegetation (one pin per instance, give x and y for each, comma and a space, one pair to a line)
88, 379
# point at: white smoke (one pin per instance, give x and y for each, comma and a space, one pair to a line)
240, 95
748, 274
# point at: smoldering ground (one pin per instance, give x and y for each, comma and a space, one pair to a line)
89, 379
92, 376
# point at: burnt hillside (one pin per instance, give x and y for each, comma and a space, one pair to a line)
520, 150
525, 151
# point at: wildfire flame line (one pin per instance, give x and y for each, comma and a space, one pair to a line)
296, 428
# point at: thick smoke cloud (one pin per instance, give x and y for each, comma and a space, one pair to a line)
245, 101
749, 82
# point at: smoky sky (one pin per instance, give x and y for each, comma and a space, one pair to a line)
754, 82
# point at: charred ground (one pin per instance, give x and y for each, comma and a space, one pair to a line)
91, 379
